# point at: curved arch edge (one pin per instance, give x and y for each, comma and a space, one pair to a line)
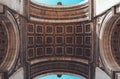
104, 45
14, 42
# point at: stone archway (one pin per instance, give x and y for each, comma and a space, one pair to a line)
13, 41
105, 44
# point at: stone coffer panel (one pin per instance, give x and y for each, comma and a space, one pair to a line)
72, 40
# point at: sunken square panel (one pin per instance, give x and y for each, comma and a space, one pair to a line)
69, 29
79, 40
30, 28
2, 50
88, 28
49, 51
87, 52
69, 40
39, 40
88, 40
49, 40
59, 29
49, 29
3, 41
39, 51
79, 51
39, 29
59, 51
79, 29
59, 40
69, 50
30, 52
30, 40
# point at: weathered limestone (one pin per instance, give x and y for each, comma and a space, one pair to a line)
100, 74
16, 5
19, 74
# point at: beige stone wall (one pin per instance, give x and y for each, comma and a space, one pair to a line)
101, 74
16, 5
19, 74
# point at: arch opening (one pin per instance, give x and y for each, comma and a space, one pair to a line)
59, 76
54, 2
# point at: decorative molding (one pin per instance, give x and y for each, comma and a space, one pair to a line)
59, 66
61, 37
11, 25
104, 34
59, 14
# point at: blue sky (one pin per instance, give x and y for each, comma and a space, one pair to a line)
54, 2
62, 77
